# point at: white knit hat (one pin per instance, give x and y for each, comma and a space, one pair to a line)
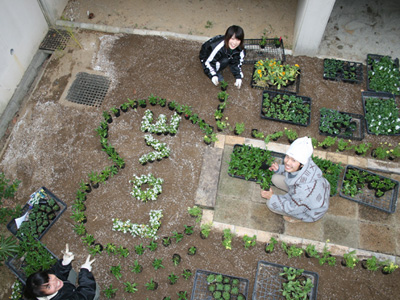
301, 150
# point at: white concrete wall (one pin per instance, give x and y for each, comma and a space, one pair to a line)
22, 28
311, 19
53, 9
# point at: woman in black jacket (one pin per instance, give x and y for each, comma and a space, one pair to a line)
53, 284
220, 51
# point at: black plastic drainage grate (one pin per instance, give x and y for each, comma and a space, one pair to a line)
88, 89
55, 40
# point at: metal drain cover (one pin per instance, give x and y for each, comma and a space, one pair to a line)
55, 40
88, 89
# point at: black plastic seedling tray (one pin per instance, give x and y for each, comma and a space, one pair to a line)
387, 203
377, 95
12, 226
345, 66
200, 286
272, 95
255, 53
268, 282
358, 134
377, 58
291, 88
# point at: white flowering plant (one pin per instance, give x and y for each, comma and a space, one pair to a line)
161, 150
382, 116
384, 74
160, 126
141, 230
150, 193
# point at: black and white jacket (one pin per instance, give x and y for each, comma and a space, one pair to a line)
215, 56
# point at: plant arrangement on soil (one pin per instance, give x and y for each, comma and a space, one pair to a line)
161, 150
142, 230
151, 285
137, 268
272, 72
290, 134
383, 74
310, 251
192, 250
388, 267
343, 145
257, 134
151, 193
160, 126
361, 149
187, 274
130, 287
172, 278
110, 292
382, 116
273, 136
176, 259
222, 96
116, 271
286, 107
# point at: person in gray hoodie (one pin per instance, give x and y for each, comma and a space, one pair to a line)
307, 191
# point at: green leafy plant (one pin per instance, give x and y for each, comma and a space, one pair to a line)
110, 292
291, 134
130, 287
157, 264
223, 96
343, 145
122, 251
311, 251
8, 247
187, 274
350, 259
110, 248
192, 250
182, 295
116, 271
326, 256
205, 229
384, 75
151, 285
362, 148
292, 251
269, 248
152, 246
239, 128
176, 259
249, 241
389, 267
227, 239
177, 236
188, 229
137, 268
196, 212
139, 249
271, 72
372, 264
172, 278
327, 142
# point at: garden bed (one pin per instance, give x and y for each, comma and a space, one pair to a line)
339, 70
381, 113
341, 124
286, 108
356, 186
268, 282
383, 74
43, 210
200, 286
254, 52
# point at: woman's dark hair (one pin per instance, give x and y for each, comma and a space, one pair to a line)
238, 32
34, 285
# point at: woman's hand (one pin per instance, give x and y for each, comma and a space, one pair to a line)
215, 80
274, 167
68, 256
267, 194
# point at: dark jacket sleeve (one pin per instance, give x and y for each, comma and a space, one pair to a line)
237, 62
87, 284
61, 271
209, 57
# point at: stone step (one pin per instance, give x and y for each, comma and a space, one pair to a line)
209, 177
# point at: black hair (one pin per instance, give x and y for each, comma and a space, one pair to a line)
238, 32
34, 285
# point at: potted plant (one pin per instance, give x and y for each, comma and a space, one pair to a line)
139, 249
124, 106
327, 142
153, 100
326, 256
192, 250
278, 42
388, 267
350, 259
107, 117
272, 73
222, 96
133, 103
263, 41
195, 212
172, 278
291, 135
227, 238
205, 230
224, 85
371, 264
311, 251
239, 128
142, 103
115, 111
94, 179
172, 105
362, 148
269, 247
137, 268
343, 145
116, 271
292, 251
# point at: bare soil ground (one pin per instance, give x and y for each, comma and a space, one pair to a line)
53, 144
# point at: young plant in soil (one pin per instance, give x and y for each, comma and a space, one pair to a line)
326, 256
295, 288
192, 250
292, 251
157, 264
130, 287
139, 249
205, 230
188, 229
343, 145
350, 259
182, 295
137, 268
195, 212
110, 248
177, 236
227, 239
327, 142
152, 246
122, 251
249, 241
172, 278
388, 267
176, 259
116, 271
151, 285
187, 274
362, 148
166, 241
311, 251
371, 264
291, 134
110, 292
269, 247
239, 128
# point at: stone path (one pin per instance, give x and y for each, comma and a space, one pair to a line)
347, 225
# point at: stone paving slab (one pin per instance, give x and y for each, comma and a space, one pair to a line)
208, 182
347, 225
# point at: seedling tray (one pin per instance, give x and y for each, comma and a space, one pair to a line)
377, 58
268, 282
200, 287
12, 226
292, 88
272, 95
346, 66
278, 158
15, 264
254, 52
358, 133
378, 95
387, 203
